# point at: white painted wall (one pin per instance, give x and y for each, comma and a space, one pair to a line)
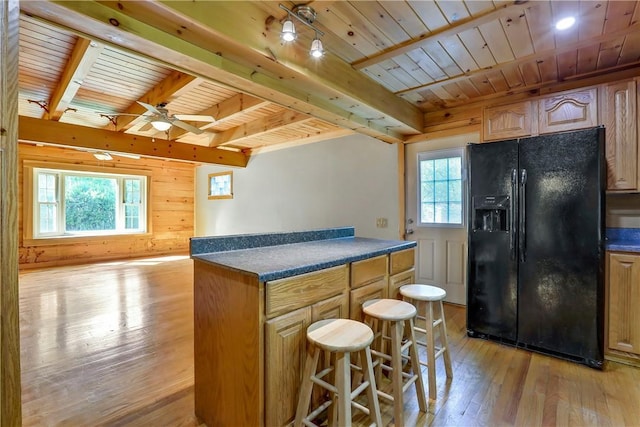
348, 181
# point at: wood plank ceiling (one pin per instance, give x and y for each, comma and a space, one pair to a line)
388, 66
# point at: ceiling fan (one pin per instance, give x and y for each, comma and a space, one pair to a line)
162, 121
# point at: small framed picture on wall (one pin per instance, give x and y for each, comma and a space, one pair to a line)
221, 185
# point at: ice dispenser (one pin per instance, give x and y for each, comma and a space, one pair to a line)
491, 213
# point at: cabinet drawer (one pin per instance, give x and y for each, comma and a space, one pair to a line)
402, 260
368, 271
291, 293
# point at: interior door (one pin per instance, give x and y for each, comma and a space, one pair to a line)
441, 252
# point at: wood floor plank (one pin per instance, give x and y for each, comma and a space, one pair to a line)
111, 344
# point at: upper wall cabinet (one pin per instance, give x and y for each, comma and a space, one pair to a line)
509, 121
619, 114
570, 110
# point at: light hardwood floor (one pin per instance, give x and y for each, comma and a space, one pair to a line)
112, 344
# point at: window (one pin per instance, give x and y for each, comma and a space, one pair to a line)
441, 191
80, 203
221, 185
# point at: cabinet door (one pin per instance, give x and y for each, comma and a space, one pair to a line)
285, 352
399, 280
332, 308
624, 303
568, 111
374, 290
508, 121
619, 111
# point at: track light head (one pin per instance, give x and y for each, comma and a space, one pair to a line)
316, 48
288, 33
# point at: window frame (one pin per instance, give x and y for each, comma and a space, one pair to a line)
442, 154
30, 170
212, 194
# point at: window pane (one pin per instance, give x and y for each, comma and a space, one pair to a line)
455, 213
455, 191
428, 191
442, 191
48, 219
442, 212
90, 203
131, 217
441, 169
132, 191
455, 168
426, 170
46, 188
427, 213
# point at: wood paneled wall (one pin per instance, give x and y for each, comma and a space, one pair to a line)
170, 209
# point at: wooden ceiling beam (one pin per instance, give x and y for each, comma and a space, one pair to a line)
174, 84
84, 55
67, 135
330, 89
455, 28
258, 127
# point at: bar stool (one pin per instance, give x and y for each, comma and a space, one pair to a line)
340, 337
428, 296
395, 314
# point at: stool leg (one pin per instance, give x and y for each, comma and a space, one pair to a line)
396, 364
445, 343
431, 351
343, 384
372, 391
416, 367
307, 385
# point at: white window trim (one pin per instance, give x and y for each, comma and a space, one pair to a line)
439, 154
120, 217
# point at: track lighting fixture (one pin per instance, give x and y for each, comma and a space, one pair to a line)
306, 16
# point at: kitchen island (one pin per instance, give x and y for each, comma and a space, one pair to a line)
254, 297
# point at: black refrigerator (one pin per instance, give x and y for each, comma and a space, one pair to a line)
535, 243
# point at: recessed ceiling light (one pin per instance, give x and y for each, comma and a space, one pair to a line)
565, 23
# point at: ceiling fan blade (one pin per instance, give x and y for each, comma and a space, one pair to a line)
150, 107
186, 126
194, 117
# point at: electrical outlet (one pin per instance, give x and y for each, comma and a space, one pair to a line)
381, 222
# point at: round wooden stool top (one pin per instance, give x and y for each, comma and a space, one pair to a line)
343, 335
389, 309
423, 292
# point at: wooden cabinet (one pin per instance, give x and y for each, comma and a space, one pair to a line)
620, 117
509, 121
623, 306
571, 110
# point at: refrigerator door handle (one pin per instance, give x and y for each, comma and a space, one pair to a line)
512, 219
523, 212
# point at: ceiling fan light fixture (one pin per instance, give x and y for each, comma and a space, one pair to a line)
316, 48
288, 33
161, 125
565, 23
102, 156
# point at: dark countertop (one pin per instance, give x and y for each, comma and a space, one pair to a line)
277, 262
623, 239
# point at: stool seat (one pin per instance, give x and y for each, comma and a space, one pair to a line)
336, 339
389, 309
423, 292
340, 335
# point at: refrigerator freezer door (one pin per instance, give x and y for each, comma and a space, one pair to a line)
561, 281
492, 266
